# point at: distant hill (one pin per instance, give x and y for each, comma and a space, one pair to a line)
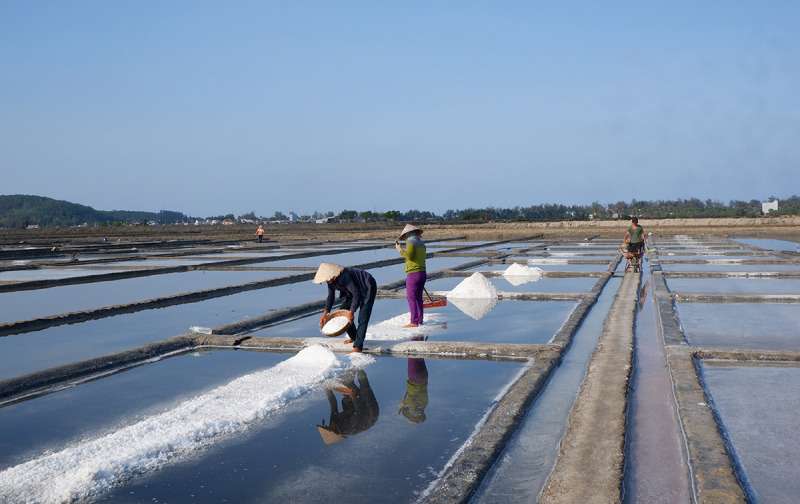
20, 210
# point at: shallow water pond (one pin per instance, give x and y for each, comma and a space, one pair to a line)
749, 325
25, 305
383, 442
735, 285
60, 345
766, 445
731, 267
521, 284
505, 322
50, 273
29, 352
769, 244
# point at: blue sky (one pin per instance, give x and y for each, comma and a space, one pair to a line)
206, 107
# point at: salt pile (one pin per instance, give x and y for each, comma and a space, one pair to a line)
475, 296
473, 287
517, 269
88, 467
392, 329
335, 325
520, 274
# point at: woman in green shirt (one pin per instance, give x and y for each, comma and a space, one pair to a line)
414, 254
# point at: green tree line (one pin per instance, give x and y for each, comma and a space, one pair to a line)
19, 211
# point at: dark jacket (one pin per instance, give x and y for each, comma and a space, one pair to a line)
354, 286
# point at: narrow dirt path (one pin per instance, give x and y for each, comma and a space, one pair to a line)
590, 465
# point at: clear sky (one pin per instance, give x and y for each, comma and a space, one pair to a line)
209, 107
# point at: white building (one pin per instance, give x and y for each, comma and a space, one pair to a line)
769, 206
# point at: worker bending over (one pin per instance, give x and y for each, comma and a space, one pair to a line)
358, 289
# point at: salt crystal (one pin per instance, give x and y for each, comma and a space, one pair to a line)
335, 325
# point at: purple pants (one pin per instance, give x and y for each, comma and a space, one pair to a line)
415, 283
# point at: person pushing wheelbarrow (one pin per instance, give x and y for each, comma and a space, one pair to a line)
634, 242
358, 289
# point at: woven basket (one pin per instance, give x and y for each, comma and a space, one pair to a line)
332, 315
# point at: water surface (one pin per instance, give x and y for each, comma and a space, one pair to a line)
766, 445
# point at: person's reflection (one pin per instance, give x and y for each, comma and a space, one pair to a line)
416, 399
643, 294
359, 409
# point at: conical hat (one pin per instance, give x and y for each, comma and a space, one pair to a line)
328, 436
409, 228
327, 272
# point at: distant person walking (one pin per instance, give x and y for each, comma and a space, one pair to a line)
260, 233
414, 255
635, 237
358, 288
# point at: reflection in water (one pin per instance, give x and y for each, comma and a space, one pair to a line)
474, 308
643, 293
645, 287
416, 399
359, 409
517, 280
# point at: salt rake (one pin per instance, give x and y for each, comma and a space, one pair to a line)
433, 303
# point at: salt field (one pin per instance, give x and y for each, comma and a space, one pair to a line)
217, 382
758, 409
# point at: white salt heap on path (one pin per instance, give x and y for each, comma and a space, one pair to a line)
393, 330
473, 287
89, 467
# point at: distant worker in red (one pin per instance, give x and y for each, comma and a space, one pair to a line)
260, 233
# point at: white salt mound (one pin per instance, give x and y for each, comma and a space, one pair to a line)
335, 325
474, 287
517, 269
